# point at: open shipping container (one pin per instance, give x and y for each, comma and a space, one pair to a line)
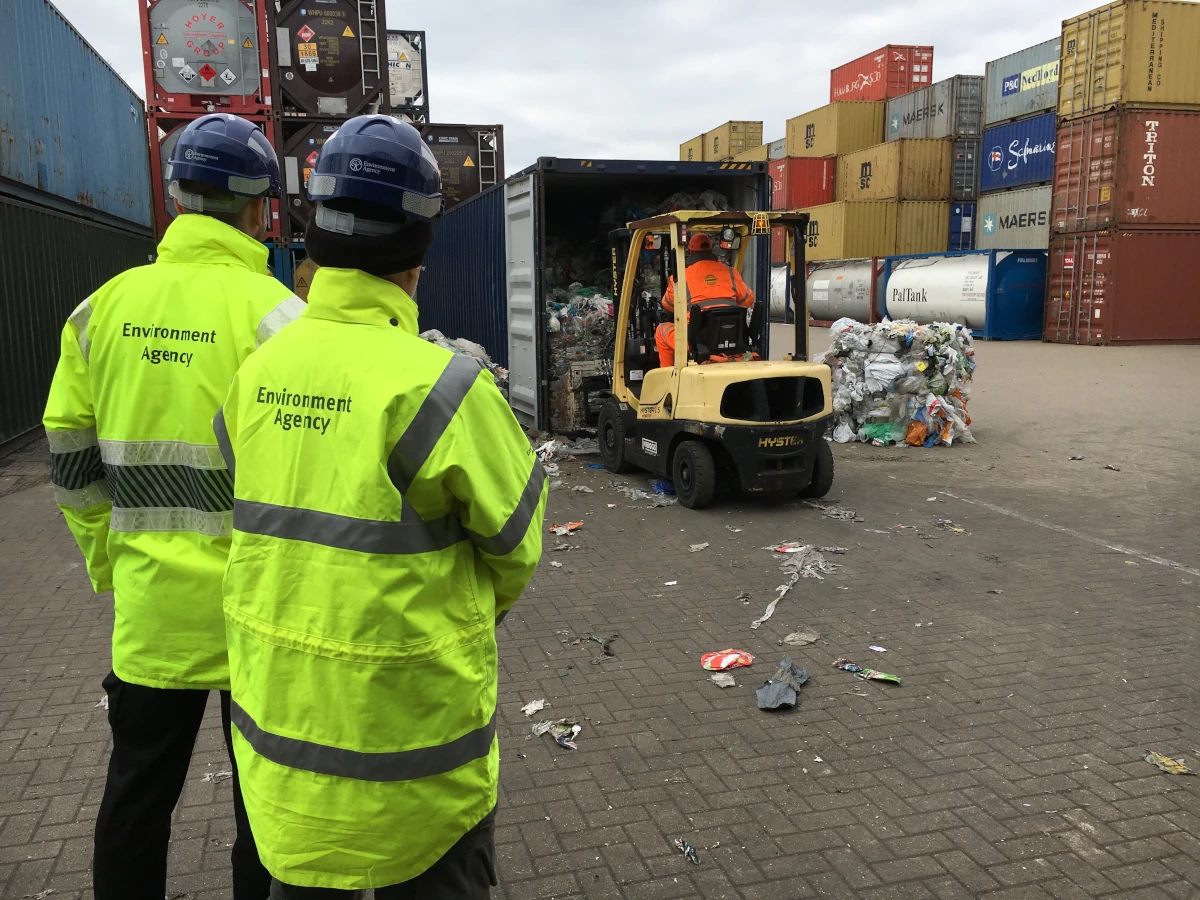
498, 255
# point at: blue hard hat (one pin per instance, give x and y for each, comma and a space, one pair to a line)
227, 152
380, 160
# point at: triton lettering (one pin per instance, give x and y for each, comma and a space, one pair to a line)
1151, 153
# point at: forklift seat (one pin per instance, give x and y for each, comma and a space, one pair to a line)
718, 331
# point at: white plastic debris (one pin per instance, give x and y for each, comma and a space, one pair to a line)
217, 777
556, 564
801, 638
582, 489
877, 648
720, 679
670, 583
103, 704
696, 548
533, 706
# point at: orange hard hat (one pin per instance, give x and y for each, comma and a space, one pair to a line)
699, 241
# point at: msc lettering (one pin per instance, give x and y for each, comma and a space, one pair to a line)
155, 357
288, 420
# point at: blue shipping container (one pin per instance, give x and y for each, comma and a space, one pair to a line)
497, 256
1018, 153
71, 127
962, 226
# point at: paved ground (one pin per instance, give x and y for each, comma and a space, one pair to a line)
1007, 765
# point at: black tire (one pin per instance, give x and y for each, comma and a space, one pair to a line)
822, 474
695, 474
610, 430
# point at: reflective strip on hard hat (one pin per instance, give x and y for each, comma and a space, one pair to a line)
431, 420
286, 312
513, 531
411, 535
401, 765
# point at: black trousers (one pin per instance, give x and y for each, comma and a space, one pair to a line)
154, 731
467, 871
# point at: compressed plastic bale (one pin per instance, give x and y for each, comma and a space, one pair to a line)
462, 345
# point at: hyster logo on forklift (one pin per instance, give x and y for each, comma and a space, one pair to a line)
789, 440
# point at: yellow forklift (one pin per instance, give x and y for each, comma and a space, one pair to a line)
746, 423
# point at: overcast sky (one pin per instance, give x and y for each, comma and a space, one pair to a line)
634, 78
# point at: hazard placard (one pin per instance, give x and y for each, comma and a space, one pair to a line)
207, 72
162, 39
306, 52
468, 162
347, 32
305, 33
403, 57
311, 159
248, 44
228, 77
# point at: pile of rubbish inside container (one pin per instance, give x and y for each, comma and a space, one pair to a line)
900, 382
463, 347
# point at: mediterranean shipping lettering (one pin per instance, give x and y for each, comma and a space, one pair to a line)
289, 420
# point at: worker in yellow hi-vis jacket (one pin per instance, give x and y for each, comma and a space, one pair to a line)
145, 362
387, 514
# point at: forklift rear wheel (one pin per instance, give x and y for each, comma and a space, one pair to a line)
695, 475
822, 474
611, 431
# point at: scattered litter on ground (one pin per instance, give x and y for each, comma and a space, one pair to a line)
899, 382
670, 583
552, 470
833, 511
696, 548
781, 689
770, 610
582, 489
594, 466
103, 704
1112, 468
801, 638
662, 486
950, 526
721, 660
995, 591
569, 528
931, 499
800, 561
556, 564
564, 731
863, 672
1170, 765
687, 850
744, 596
533, 706
40, 895
1074, 458
217, 777
733, 529
877, 648
721, 680
612, 506
463, 347
561, 546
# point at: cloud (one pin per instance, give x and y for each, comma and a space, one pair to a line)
635, 79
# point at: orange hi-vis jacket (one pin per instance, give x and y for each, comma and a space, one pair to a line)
708, 280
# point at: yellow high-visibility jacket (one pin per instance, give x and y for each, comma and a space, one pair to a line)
145, 363
387, 511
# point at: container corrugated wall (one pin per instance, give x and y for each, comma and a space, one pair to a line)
1022, 83
921, 226
692, 150
1018, 153
1135, 53
467, 260
949, 108
836, 128
49, 264
907, 169
890, 71
1015, 220
68, 124
728, 140
964, 168
962, 227
848, 230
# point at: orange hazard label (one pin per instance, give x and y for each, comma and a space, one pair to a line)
162, 39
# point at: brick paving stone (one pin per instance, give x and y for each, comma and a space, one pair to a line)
1007, 765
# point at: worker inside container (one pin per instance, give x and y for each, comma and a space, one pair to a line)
712, 285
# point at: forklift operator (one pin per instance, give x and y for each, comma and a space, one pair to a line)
711, 284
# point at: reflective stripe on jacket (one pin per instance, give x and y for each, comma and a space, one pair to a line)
144, 363
387, 511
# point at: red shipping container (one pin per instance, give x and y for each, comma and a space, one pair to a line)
1127, 168
1123, 287
797, 183
882, 74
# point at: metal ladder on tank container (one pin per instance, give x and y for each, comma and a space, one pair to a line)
368, 37
486, 144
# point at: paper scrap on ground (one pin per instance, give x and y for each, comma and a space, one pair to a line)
863, 672
564, 731
1112, 468
721, 660
720, 679
670, 583
804, 561
801, 638
1170, 765
833, 511
40, 895
217, 777
582, 489
696, 548
103, 704
556, 564
569, 528
560, 546
780, 689
734, 530
687, 850
533, 706
877, 648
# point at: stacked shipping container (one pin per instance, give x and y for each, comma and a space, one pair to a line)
725, 142
1125, 200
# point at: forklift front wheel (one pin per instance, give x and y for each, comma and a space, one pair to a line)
695, 474
611, 431
822, 473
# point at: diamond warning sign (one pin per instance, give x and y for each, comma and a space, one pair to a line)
162, 39
347, 32
468, 162
311, 159
305, 33
187, 73
207, 72
228, 77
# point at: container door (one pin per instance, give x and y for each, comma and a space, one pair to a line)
524, 321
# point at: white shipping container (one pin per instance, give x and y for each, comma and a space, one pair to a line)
949, 108
1014, 220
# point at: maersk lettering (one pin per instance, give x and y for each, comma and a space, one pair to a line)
925, 112
909, 295
1025, 220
